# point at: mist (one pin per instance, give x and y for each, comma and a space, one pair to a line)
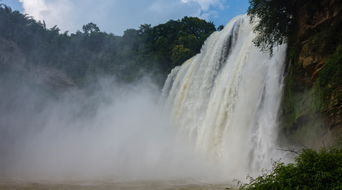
86, 106
104, 131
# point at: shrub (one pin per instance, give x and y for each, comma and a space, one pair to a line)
312, 170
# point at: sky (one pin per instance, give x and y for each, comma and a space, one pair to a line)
115, 16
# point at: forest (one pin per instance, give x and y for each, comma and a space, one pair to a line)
89, 52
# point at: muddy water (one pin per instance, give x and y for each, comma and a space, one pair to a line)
113, 186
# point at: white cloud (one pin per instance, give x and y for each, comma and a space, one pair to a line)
115, 15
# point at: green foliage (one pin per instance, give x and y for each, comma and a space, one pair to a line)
312, 170
190, 32
330, 79
276, 21
331, 74
155, 50
180, 53
90, 28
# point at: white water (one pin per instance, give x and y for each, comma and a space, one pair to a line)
226, 100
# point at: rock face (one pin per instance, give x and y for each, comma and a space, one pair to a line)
312, 103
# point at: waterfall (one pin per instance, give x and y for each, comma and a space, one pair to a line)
226, 99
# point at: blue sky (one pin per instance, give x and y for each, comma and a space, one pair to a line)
117, 15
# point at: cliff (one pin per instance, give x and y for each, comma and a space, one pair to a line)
311, 114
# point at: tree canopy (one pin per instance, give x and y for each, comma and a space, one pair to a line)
276, 22
152, 49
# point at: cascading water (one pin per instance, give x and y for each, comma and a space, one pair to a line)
226, 99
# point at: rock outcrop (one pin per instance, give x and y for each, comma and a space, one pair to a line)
312, 103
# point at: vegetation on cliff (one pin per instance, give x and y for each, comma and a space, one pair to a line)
312, 100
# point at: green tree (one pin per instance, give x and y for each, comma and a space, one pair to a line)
90, 28
275, 22
167, 40
180, 54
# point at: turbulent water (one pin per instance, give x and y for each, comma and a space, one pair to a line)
226, 99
